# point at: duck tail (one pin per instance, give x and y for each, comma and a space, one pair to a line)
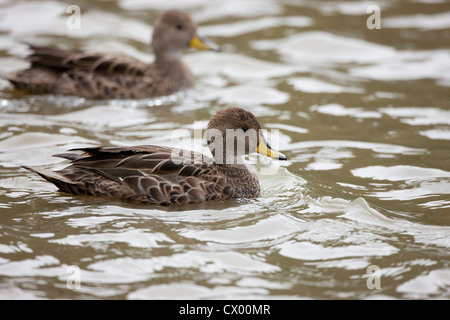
63, 183
11, 77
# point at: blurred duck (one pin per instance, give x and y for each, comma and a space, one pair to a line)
116, 76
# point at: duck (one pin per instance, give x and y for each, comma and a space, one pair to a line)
170, 176
94, 75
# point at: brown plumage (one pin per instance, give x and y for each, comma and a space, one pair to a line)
163, 175
115, 76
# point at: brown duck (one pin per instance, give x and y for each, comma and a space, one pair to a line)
162, 175
116, 76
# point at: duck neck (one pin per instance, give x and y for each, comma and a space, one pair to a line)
246, 183
170, 66
167, 57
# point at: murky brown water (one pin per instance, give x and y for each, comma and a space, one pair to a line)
360, 210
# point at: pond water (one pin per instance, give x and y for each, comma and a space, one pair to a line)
360, 210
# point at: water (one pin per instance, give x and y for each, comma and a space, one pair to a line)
360, 210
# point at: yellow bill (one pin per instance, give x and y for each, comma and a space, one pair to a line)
265, 149
203, 44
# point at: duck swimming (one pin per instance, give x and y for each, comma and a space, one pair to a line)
163, 175
116, 76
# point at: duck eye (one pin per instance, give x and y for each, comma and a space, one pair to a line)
179, 26
244, 129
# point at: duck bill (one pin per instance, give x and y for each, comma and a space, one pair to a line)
265, 149
202, 43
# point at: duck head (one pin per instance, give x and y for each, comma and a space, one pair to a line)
235, 132
174, 32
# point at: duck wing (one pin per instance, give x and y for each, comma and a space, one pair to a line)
85, 74
144, 173
64, 60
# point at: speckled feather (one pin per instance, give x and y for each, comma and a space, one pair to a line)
141, 173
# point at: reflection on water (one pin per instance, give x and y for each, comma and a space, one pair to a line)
363, 118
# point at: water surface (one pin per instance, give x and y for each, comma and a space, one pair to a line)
363, 116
